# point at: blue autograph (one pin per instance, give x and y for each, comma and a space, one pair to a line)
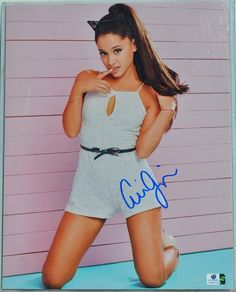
149, 184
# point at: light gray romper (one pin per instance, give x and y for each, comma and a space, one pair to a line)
96, 189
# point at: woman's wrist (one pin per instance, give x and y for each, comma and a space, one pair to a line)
166, 112
167, 109
170, 107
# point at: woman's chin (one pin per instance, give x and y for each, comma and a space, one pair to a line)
116, 74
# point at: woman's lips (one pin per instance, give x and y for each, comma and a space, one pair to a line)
115, 70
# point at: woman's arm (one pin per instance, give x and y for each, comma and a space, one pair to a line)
154, 125
85, 81
72, 115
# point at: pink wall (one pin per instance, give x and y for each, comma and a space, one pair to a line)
47, 45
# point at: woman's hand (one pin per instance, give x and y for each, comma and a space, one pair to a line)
88, 81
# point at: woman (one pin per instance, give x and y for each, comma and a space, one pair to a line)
121, 115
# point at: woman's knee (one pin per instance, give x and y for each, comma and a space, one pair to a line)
53, 279
153, 279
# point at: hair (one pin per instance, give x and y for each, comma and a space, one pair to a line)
123, 21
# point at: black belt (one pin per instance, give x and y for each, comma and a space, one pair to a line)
112, 151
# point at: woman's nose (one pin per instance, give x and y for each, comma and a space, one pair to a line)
111, 60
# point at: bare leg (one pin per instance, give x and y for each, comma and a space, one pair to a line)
152, 264
74, 236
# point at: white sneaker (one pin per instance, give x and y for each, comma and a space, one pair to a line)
170, 242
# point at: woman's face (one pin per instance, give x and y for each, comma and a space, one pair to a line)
116, 53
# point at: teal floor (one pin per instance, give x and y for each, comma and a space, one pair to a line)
190, 274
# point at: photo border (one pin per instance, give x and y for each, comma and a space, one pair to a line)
232, 8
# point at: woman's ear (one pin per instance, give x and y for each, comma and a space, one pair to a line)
134, 45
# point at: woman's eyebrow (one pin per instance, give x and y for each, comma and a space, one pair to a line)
114, 47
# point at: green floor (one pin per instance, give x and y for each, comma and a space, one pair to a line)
190, 274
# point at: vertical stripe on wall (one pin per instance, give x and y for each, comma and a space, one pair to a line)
46, 46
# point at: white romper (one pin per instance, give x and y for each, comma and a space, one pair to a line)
104, 186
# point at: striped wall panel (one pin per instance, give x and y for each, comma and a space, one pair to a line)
46, 47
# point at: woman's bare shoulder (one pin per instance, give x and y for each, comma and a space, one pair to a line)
150, 98
87, 73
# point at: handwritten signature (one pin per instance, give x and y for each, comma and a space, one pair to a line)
149, 184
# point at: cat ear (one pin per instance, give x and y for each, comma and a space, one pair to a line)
93, 23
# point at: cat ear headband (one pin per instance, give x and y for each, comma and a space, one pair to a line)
94, 23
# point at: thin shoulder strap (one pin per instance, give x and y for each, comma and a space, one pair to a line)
140, 87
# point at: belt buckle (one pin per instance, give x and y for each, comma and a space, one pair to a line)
114, 151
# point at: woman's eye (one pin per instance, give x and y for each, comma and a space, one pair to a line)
102, 54
117, 51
